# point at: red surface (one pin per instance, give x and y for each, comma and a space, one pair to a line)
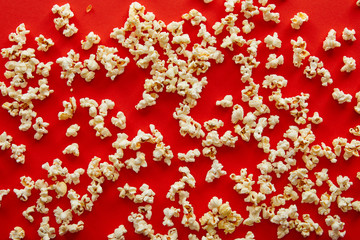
110, 211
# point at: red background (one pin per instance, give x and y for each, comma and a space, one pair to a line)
110, 211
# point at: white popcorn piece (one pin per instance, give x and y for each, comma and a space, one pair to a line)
162, 152
17, 234
74, 177
249, 235
70, 30
146, 211
25, 193
344, 203
330, 41
281, 218
40, 128
247, 26
136, 163
340, 96
3, 192
72, 131
310, 196
90, 65
355, 131
20, 35
45, 231
118, 234
237, 114
208, 1
316, 119
91, 104
274, 61
300, 52
55, 169
358, 3
268, 15
273, 120
44, 43
17, 153
228, 139
189, 156
119, 121
168, 214
105, 106
63, 217
194, 16
213, 124
189, 218
212, 138
72, 149
230, 5
298, 20
273, 42
249, 9
254, 215
72, 228
148, 100
349, 64
27, 213
348, 35
210, 152
98, 124
70, 66
69, 109
5, 141
43, 69
90, 40
226, 102
140, 225
321, 176
325, 76
215, 171
113, 63
336, 227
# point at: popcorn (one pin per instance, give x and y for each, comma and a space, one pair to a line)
106, 104
55, 169
230, 5
237, 114
281, 218
141, 226
148, 100
268, 15
43, 69
189, 218
72, 149
215, 171
162, 152
272, 121
300, 52
195, 16
298, 20
20, 35
330, 41
229, 41
40, 128
212, 138
316, 119
44, 43
340, 96
70, 66
113, 63
206, 36
5, 141
213, 124
243, 181
118, 233
74, 177
168, 214
72, 228
249, 9
247, 26
65, 14
189, 156
17, 234
272, 42
210, 152
208, 1
18, 153
274, 81
136, 163
98, 124
336, 226
90, 40
325, 76
344, 203
27, 212
3, 192
348, 34
45, 231
310, 196
349, 64
274, 61
119, 121
249, 236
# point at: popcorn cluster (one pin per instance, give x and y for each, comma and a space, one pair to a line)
178, 64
